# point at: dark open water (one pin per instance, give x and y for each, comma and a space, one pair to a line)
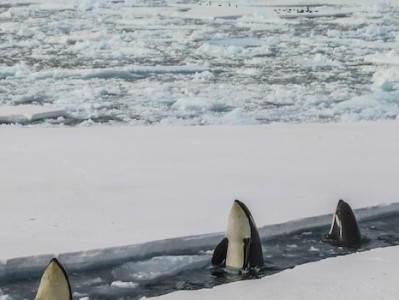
282, 252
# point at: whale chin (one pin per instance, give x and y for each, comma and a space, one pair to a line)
54, 284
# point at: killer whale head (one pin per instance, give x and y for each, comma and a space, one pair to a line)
344, 230
241, 248
54, 284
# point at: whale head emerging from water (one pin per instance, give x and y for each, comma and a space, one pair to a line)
54, 284
241, 248
344, 229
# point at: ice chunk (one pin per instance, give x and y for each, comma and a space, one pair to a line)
386, 79
382, 6
18, 71
319, 60
240, 42
28, 113
237, 116
124, 285
3, 296
389, 58
114, 289
159, 267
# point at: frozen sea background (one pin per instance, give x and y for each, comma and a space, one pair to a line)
186, 63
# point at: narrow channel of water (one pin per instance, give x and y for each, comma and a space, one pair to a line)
165, 274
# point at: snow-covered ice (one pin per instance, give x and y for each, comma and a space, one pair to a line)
74, 189
58, 182
368, 275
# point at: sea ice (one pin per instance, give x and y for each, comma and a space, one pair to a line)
233, 56
158, 267
387, 79
124, 284
28, 113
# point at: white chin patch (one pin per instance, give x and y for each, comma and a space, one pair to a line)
238, 229
53, 284
337, 221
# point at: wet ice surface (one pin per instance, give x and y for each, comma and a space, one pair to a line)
181, 63
165, 274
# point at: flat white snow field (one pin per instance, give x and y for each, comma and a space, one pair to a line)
71, 189
367, 275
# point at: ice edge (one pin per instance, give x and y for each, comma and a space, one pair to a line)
32, 266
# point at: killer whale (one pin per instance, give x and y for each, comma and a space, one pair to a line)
241, 247
344, 230
54, 284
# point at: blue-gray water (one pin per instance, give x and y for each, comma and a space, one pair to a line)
281, 252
